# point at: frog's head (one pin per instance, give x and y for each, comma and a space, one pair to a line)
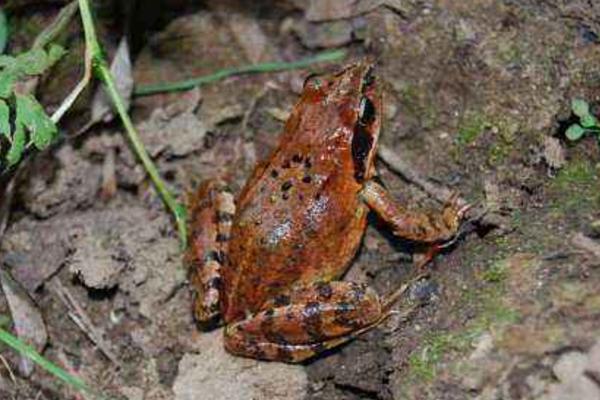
343, 111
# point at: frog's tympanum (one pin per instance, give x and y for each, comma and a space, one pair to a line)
268, 265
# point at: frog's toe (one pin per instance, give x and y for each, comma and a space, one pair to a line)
462, 211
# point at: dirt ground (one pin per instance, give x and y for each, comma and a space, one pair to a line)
477, 99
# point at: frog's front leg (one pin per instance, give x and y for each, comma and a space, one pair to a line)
311, 319
423, 227
211, 212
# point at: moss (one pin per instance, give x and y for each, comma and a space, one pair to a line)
576, 188
498, 153
495, 273
423, 362
509, 53
415, 102
492, 313
581, 174
472, 125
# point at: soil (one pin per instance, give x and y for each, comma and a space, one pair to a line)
477, 100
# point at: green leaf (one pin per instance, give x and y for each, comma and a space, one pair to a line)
17, 146
33, 62
7, 61
27, 351
589, 121
4, 119
55, 53
7, 80
3, 31
32, 115
574, 132
580, 107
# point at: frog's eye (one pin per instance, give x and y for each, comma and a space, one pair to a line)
313, 80
366, 111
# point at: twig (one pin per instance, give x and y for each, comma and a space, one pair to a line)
82, 320
62, 357
70, 99
401, 167
251, 107
9, 369
246, 69
586, 244
479, 215
58, 25
102, 71
61, 21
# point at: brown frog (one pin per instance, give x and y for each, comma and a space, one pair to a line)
269, 264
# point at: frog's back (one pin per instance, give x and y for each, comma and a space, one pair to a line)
299, 220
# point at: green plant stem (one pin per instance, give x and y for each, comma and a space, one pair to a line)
246, 69
29, 352
102, 70
63, 19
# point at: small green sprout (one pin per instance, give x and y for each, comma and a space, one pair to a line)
588, 123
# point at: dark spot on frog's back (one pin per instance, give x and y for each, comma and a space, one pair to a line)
221, 237
223, 216
287, 185
282, 300
215, 255
324, 290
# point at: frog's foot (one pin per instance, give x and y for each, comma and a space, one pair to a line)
312, 319
454, 211
423, 227
211, 213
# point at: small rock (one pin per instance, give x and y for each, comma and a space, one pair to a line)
484, 346
327, 10
593, 229
324, 34
34, 251
172, 137
75, 183
569, 365
133, 393
96, 263
424, 290
594, 359
215, 374
554, 153
574, 384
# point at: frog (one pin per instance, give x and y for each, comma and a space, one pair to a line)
269, 263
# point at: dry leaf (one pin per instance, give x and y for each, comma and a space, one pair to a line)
102, 109
27, 319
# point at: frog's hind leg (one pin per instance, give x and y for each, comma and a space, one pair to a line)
310, 320
211, 212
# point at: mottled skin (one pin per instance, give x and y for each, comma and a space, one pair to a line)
269, 265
